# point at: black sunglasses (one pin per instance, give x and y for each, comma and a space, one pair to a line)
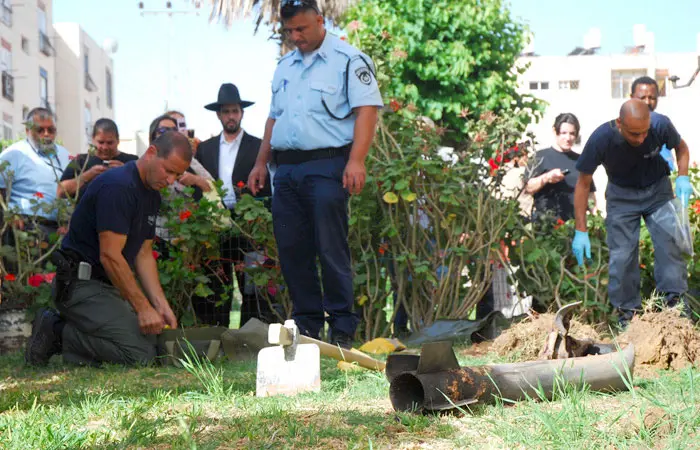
299, 4
42, 130
163, 130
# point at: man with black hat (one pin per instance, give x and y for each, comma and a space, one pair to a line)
318, 133
229, 157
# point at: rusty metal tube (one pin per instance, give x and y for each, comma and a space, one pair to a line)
447, 389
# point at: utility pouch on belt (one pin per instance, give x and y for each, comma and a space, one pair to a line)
66, 275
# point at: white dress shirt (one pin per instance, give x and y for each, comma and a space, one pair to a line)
228, 151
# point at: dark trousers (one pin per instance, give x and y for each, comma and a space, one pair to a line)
626, 206
102, 327
310, 219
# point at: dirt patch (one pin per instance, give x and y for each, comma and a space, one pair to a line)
527, 338
662, 340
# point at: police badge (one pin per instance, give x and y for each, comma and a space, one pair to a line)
364, 75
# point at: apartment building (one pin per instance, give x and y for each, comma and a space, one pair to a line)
56, 66
27, 62
84, 84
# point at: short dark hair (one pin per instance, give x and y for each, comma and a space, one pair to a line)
173, 141
566, 118
38, 111
154, 126
644, 80
105, 125
290, 8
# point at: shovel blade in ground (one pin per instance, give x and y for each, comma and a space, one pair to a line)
277, 376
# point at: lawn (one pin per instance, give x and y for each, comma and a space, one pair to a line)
116, 407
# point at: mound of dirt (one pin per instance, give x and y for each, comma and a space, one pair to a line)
662, 340
527, 338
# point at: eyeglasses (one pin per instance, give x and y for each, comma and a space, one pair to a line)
42, 130
163, 130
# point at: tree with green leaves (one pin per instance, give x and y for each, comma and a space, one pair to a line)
452, 60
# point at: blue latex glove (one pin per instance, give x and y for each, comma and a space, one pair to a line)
581, 243
684, 189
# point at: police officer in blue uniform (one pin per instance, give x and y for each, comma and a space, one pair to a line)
322, 121
638, 187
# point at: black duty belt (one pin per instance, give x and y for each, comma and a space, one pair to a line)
282, 157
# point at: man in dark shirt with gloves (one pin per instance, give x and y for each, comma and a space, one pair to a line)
638, 186
105, 315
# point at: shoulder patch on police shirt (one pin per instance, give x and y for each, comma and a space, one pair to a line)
364, 75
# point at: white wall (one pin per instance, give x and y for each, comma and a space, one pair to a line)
77, 106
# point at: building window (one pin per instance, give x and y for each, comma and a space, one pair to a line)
541, 85
568, 85
661, 78
25, 111
44, 88
88, 121
7, 133
5, 56
45, 46
621, 81
108, 87
7, 12
25, 45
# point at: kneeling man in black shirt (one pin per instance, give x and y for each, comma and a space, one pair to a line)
105, 315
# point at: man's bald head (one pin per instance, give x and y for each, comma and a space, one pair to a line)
635, 109
634, 121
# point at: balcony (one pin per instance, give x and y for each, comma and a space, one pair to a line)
89, 83
6, 15
8, 86
45, 46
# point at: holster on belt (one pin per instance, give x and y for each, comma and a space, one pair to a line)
66, 274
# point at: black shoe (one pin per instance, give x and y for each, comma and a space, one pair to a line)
43, 342
340, 339
624, 319
672, 300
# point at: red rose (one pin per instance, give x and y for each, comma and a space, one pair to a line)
493, 164
394, 105
156, 255
35, 280
49, 277
10, 277
184, 215
240, 185
38, 195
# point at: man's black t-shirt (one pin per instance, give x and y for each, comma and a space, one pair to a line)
116, 201
627, 166
77, 166
556, 199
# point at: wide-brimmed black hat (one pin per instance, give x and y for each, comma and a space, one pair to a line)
228, 95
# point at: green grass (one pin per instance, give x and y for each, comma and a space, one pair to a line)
213, 406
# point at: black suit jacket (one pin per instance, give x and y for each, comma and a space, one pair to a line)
208, 156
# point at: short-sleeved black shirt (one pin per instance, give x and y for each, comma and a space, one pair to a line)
77, 166
116, 201
627, 166
556, 199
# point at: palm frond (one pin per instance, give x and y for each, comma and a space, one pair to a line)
267, 11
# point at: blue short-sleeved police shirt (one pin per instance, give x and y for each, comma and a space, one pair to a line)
627, 166
336, 78
116, 201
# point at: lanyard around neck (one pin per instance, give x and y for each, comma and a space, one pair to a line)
47, 158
